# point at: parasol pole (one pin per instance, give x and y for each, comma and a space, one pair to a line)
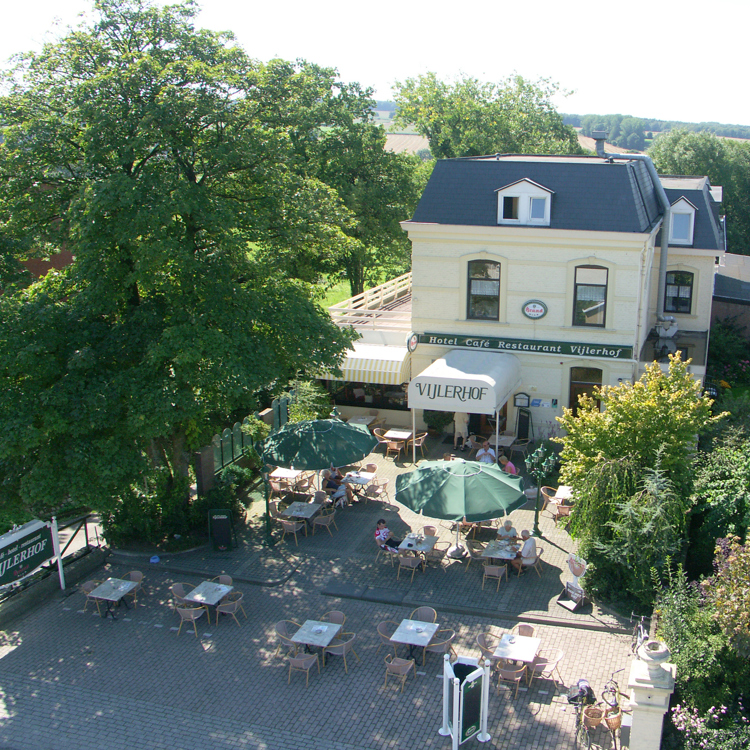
497, 433
413, 436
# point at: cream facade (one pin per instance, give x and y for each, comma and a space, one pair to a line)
555, 261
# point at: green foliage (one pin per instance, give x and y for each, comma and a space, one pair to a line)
725, 162
628, 524
437, 420
659, 415
309, 400
473, 118
721, 498
729, 593
712, 678
223, 495
728, 353
169, 164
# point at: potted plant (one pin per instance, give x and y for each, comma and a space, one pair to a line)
437, 421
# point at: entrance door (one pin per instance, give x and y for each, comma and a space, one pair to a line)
582, 380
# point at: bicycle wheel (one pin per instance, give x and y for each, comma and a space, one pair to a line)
582, 738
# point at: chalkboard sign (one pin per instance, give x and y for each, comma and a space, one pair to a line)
471, 708
220, 528
524, 428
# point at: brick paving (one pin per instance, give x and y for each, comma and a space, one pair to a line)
70, 680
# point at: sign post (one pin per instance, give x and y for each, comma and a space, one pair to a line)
24, 549
465, 700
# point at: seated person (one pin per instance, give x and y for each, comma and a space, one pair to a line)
507, 466
485, 454
527, 554
384, 536
507, 531
336, 488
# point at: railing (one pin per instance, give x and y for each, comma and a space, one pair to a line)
379, 307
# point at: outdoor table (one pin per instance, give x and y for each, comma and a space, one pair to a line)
517, 648
500, 550
503, 441
358, 478
111, 592
415, 634
564, 492
208, 594
280, 473
422, 545
302, 510
398, 435
365, 420
316, 633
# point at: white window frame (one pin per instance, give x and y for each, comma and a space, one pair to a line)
682, 207
525, 192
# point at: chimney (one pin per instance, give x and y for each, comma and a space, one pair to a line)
600, 136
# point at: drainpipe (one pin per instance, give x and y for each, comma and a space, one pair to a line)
600, 138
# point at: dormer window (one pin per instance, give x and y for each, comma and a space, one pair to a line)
524, 202
682, 222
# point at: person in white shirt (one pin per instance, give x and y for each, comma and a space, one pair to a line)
485, 454
461, 422
507, 531
527, 555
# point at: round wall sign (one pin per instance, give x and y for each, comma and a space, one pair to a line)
412, 341
534, 309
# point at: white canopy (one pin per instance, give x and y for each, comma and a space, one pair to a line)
466, 381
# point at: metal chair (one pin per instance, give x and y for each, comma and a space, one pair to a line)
179, 593
507, 673
417, 442
86, 589
285, 629
410, 563
429, 530
378, 433
394, 446
487, 644
229, 606
440, 643
475, 550
523, 629
302, 664
494, 572
223, 579
385, 630
536, 565
377, 489
399, 668
424, 614
545, 665
520, 446
341, 645
325, 519
336, 616
292, 527
189, 614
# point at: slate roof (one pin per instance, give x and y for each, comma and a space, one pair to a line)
707, 230
590, 194
731, 289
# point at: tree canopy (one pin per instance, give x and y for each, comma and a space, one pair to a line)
169, 163
474, 118
726, 163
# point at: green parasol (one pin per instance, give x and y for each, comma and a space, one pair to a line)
456, 489
452, 490
316, 444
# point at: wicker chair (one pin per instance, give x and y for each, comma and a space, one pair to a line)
229, 605
325, 519
189, 614
285, 629
440, 643
302, 664
410, 563
385, 630
495, 572
292, 527
424, 614
508, 672
341, 645
399, 668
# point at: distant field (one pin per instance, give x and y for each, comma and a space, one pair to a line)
337, 294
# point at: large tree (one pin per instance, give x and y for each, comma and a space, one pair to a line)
725, 162
164, 159
473, 118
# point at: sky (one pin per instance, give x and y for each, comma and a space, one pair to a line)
665, 59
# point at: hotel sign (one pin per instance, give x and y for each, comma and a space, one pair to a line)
528, 346
24, 550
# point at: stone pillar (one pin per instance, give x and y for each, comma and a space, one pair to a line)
651, 682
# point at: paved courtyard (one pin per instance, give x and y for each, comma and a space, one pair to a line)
70, 680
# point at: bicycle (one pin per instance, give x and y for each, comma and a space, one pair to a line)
581, 696
613, 714
640, 634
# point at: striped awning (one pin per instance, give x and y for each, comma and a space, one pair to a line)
369, 363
